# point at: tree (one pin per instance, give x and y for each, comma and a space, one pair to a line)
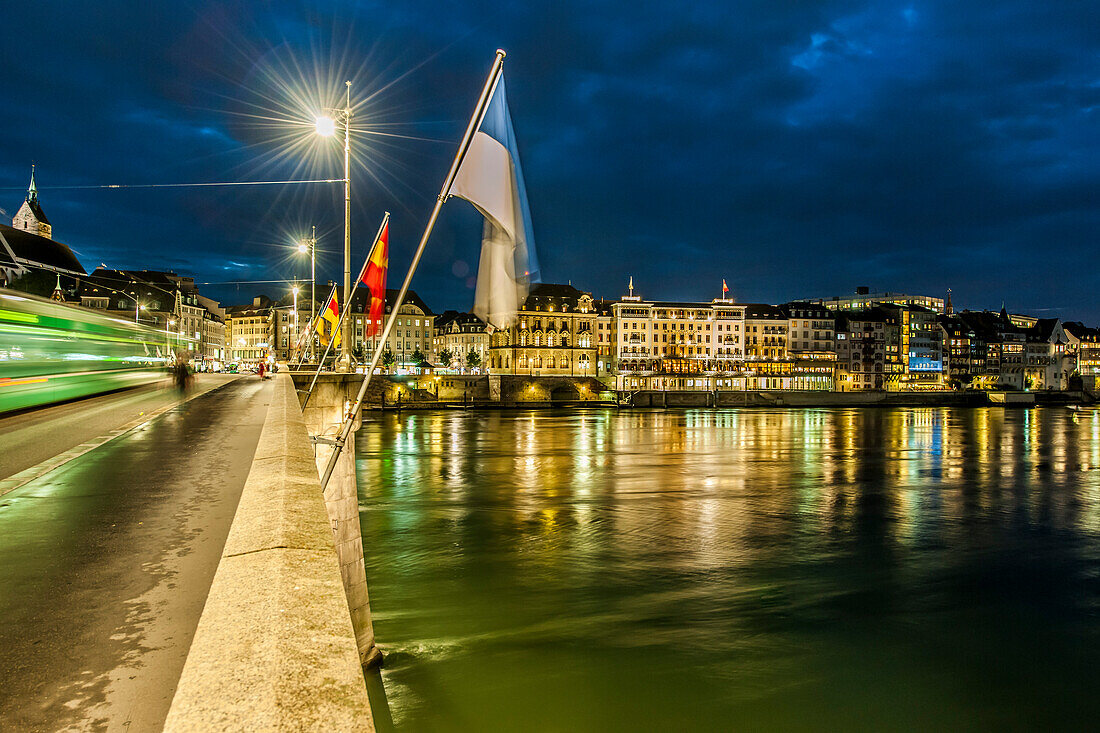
358, 352
473, 360
388, 359
418, 357
446, 357
961, 382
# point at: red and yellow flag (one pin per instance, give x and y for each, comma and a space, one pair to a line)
330, 316
374, 277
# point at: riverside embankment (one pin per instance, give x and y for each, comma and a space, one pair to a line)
414, 392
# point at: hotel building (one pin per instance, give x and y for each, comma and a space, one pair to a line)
554, 333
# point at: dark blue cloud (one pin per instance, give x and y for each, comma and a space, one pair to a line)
797, 148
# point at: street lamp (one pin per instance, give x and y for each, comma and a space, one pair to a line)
138, 308
326, 127
310, 245
294, 339
167, 338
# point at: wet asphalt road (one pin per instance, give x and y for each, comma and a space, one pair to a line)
105, 564
35, 435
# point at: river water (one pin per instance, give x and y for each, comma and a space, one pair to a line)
818, 569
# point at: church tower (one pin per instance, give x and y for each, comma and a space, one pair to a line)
30, 216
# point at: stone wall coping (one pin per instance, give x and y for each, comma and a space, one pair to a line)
274, 648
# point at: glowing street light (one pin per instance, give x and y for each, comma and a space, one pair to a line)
310, 246
326, 126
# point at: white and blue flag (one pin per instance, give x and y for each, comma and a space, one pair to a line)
490, 178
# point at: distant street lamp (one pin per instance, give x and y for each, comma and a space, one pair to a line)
294, 338
138, 308
167, 336
310, 245
326, 127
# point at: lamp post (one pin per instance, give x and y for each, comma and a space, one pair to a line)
294, 338
326, 126
167, 338
138, 308
310, 245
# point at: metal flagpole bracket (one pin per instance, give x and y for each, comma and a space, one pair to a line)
326, 441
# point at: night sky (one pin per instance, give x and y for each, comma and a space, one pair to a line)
796, 149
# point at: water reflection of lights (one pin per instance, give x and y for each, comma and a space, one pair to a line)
707, 481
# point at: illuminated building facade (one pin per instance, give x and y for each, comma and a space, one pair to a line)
720, 345
864, 298
605, 342
554, 333
811, 345
1083, 346
861, 343
413, 330
461, 334
247, 331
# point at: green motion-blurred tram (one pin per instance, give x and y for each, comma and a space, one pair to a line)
50, 352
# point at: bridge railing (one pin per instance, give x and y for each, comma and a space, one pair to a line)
274, 648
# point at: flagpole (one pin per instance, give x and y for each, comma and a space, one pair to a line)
311, 332
347, 309
318, 319
444, 193
299, 346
